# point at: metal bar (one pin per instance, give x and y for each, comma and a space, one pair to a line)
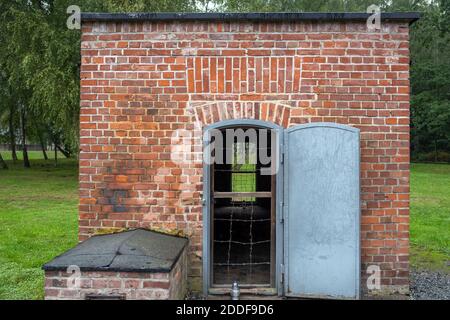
261, 288
237, 171
242, 220
258, 194
273, 230
239, 242
241, 264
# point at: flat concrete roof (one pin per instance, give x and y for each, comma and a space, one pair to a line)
252, 16
130, 251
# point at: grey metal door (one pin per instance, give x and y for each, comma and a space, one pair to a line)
321, 209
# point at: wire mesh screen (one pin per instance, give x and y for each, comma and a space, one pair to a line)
242, 243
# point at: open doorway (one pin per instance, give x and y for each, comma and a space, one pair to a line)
242, 211
292, 231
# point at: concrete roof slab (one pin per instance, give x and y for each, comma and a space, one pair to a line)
130, 251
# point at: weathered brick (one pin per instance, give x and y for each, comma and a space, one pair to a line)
131, 285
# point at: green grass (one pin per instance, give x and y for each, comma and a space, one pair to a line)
243, 182
430, 216
38, 220
32, 155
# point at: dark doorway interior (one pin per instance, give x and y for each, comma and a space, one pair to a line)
243, 230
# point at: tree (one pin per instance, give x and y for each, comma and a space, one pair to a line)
430, 80
3, 164
41, 60
8, 116
19, 61
23, 128
11, 126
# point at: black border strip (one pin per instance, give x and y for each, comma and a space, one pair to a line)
254, 16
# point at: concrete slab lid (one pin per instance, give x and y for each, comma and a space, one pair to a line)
137, 250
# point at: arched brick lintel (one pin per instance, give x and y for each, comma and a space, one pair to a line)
279, 113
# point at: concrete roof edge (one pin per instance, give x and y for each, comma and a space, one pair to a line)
251, 16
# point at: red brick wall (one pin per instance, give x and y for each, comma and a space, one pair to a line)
144, 83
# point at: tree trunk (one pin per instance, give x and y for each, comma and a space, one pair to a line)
26, 161
41, 141
435, 151
3, 164
12, 137
56, 155
64, 152
44, 152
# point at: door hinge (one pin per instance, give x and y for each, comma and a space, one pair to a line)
282, 212
282, 273
282, 157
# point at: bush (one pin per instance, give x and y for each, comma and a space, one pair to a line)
442, 156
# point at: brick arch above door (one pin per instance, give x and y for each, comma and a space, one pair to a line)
278, 112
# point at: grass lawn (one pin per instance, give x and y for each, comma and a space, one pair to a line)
38, 220
430, 216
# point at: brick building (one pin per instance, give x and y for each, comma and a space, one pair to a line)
152, 84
